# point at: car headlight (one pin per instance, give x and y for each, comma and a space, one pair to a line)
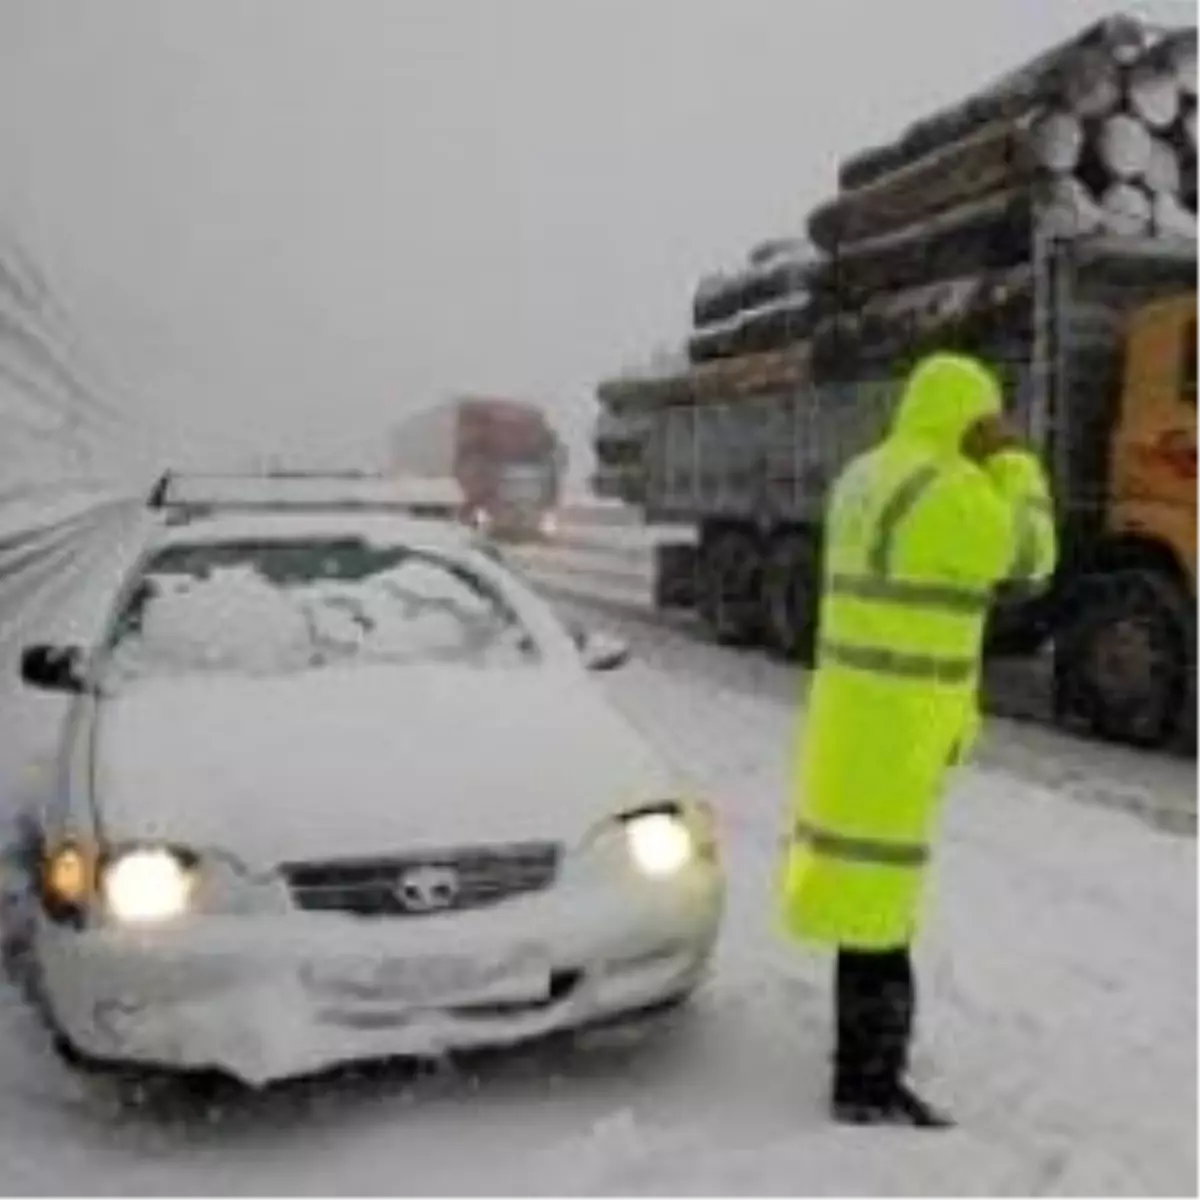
660, 843
657, 841
548, 524
147, 885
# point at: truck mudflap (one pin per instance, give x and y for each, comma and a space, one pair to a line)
675, 571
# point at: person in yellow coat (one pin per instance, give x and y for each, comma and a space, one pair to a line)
919, 532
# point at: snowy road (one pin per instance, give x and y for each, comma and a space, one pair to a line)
1159, 788
1058, 1013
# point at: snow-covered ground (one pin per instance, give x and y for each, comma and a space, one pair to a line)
1058, 1010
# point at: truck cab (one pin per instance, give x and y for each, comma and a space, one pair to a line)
509, 462
1125, 642
1154, 444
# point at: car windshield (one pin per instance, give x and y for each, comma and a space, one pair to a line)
277, 606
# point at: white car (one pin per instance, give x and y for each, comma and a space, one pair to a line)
337, 788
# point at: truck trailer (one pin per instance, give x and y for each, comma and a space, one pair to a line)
1092, 332
503, 454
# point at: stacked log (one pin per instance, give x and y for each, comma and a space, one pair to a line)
928, 237
765, 305
1095, 137
1079, 75
1140, 135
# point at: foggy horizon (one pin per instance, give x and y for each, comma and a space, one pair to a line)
286, 224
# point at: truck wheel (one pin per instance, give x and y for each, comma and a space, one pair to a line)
675, 583
791, 597
1124, 660
730, 570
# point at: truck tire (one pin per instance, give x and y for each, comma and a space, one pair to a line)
675, 583
728, 600
1125, 659
791, 597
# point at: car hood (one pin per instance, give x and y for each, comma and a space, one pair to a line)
343, 763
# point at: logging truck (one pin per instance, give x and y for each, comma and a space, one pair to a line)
1102, 381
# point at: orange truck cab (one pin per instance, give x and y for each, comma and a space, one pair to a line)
1126, 654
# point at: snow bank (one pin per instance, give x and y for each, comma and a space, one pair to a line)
40, 510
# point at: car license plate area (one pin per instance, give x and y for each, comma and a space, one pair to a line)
429, 981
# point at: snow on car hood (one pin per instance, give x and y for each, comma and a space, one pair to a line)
366, 760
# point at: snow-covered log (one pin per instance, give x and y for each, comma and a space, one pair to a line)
991, 309
718, 340
1123, 146
1163, 172
1187, 124
1055, 141
1153, 95
774, 325
995, 158
1171, 217
1056, 154
779, 247
988, 233
1066, 208
784, 272
715, 299
1093, 86
1081, 74
1127, 211
1179, 54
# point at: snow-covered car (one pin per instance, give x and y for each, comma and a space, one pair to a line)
336, 788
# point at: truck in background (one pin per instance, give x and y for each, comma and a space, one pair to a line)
503, 454
1085, 307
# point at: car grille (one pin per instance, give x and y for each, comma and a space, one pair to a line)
423, 884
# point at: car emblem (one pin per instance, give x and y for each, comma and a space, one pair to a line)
427, 889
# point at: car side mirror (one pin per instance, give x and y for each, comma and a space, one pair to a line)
53, 668
601, 651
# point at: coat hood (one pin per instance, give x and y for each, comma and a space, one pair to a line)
944, 396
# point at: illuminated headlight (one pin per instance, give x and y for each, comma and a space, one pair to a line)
660, 843
548, 524
481, 518
147, 885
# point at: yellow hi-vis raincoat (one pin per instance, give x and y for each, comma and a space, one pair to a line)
917, 536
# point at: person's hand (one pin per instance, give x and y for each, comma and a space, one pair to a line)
989, 435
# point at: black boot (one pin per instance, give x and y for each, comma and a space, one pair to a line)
902, 1107
876, 1004
864, 1071
881, 1097
915, 1111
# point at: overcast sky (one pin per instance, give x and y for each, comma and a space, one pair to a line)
298, 219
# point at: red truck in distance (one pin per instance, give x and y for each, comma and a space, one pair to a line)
504, 455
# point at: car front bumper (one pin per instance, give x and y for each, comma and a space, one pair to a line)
269, 997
